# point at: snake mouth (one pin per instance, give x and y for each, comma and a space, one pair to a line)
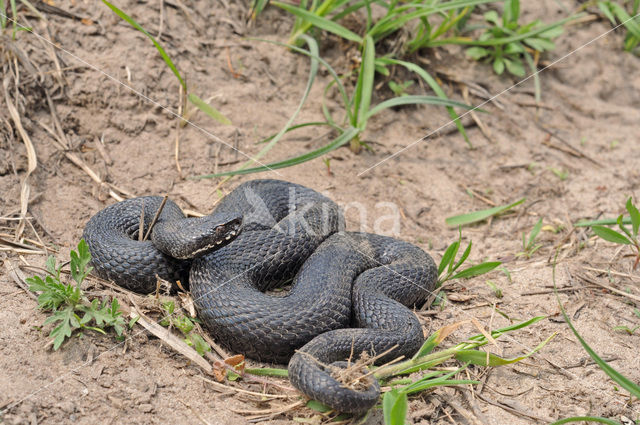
221, 235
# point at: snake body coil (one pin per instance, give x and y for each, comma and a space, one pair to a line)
348, 294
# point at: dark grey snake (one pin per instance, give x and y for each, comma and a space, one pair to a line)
348, 294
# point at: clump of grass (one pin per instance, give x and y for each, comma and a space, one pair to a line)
185, 325
71, 311
448, 267
626, 236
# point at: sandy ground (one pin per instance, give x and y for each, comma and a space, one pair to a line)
108, 83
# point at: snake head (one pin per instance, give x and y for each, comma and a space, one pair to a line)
193, 237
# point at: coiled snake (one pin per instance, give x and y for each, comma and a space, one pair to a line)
348, 293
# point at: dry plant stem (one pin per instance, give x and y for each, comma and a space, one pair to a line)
609, 288
613, 272
224, 387
155, 217
176, 153
18, 277
170, 339
32, 160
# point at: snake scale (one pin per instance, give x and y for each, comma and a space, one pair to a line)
349, 293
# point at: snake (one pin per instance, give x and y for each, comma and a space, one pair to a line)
346, 293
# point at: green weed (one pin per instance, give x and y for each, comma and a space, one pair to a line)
617, 13
508, 45
626, 237
185, 325
473, 217
529, 245
448, 267
627, 329
70, 308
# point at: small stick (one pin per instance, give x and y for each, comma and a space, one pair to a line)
141, 235
155, 217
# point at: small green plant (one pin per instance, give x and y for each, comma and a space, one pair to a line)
508, 44
185, 325
497, 291
400, 89
620, 379
560, 173
448, 268
71, 310
626, 237
529, 245
617, 13
627, 329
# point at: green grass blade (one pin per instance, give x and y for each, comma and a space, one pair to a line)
476, 270
480, 339
313, 71
604, 221
298, 126
622, 380
267, 371
448, 256
635, 216
319, 21
334, 74
437, 90
610, 235
506, 40
341, 140
208, 109
364, 87
414, 100
137, 26
480, 357
394, 407
473, 217
586, 419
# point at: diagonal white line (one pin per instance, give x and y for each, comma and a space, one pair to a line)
496, 96
140, 94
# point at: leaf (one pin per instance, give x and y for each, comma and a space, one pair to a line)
604, 221
540, 44
468, 218
318, 407
341, 140
208, 109
622, 380
266, 371
394, 407
610, 235
364, 86
448, 256
415, 100
476, 270
498, 65
515, 67
634, 214
436, 88
534, 232
51, 265
199, 344
480, 357
586, 418
477, 53
319, 21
